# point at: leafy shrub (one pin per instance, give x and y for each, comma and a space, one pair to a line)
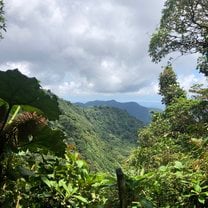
37, 180
169, 186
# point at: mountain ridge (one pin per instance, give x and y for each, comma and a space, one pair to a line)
140, 112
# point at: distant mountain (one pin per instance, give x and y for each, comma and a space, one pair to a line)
134, 109
103, 135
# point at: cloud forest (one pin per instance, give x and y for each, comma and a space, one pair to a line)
106, 154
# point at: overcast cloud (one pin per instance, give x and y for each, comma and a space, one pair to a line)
82, 48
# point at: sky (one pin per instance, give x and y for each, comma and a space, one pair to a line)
86, 50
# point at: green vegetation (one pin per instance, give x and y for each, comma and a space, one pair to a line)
24, 94
96, 131
34, 170
134, 109
38, 180
169, 88
167, 169
27, 92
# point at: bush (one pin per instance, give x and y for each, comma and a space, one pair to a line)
37, 180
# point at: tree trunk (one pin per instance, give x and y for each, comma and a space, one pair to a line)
121, 188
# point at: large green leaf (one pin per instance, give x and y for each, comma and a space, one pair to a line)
18, 89
48, 139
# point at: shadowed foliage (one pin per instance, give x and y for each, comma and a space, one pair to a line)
18, 89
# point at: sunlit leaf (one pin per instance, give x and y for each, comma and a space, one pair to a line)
178, 165
81, 198
201, 199
197, 188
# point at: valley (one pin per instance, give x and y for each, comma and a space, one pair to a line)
104, 136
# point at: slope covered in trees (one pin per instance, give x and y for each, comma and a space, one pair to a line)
34, 170
97, 130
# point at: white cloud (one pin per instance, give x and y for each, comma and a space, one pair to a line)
150, 89
24, 67
188, 81
83, 47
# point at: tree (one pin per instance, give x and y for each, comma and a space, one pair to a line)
17, 89
200, 92
169, 87
184, 28
2, 20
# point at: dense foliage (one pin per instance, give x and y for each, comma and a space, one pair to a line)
27, 92
16, 97
97, 130
169, 168
38, 180
169, 87
34, 172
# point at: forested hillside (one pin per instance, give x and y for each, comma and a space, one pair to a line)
97, 130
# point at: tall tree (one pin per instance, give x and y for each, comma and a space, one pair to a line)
169, 87
184, 28
18, 89
2, 20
